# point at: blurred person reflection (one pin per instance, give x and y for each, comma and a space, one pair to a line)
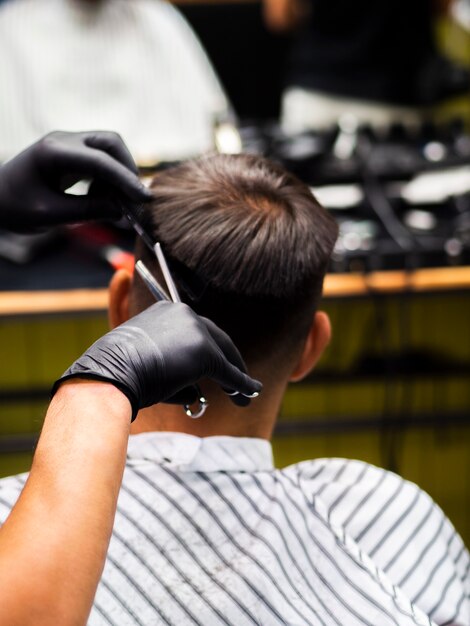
131, 66
376, 59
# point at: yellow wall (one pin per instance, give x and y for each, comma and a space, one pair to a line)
436, 456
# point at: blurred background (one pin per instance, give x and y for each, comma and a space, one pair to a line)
367, 101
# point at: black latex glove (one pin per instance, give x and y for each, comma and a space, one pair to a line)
160, 352
32, 184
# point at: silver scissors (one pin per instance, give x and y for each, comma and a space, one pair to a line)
159, 292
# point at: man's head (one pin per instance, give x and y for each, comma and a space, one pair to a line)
248, 246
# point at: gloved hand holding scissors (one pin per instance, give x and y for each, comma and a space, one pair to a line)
161, 353
32, 184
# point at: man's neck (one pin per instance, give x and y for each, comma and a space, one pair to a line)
222, 417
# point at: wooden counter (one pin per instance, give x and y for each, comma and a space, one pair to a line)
336, 286
423, 280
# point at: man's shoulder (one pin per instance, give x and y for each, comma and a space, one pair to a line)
335, 477
331, 476
397, 525
358, 496
10, 489
392, 519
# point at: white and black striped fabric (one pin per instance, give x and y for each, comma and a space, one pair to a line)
207, 532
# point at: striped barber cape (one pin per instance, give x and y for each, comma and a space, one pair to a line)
207, 532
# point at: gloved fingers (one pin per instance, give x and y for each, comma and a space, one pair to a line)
103, 197
95, 164
112, 144
228, 376
69, 209
238, 398
231, 353
224, 342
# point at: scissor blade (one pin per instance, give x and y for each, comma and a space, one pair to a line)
151, 282
134, 222
170, 283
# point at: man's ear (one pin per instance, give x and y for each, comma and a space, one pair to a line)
119, 288
317, 340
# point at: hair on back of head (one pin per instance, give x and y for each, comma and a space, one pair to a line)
254, 235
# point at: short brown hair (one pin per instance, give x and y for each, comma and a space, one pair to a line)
253, 240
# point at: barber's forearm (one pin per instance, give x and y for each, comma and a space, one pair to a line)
53, 545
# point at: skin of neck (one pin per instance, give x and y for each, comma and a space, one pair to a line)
222, 416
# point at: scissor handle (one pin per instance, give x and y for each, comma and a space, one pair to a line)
203, 404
